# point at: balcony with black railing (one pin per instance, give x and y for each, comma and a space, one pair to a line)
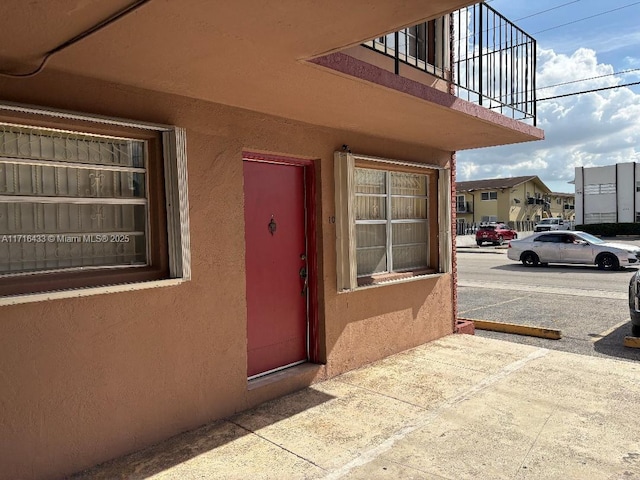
483, 57
464, 207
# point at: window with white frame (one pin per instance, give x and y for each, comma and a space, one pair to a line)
489, 196
461, 204
89, 207
391, 221
590, 218
388, 218
600, 188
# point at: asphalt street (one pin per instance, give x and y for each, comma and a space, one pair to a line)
589, 306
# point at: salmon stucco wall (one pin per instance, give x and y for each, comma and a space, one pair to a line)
86, 379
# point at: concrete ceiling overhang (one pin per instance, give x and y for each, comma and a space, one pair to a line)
257, 55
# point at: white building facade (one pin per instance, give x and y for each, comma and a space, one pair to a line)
607, 194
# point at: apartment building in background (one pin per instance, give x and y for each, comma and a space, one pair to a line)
562, 205
511, 199
608, 194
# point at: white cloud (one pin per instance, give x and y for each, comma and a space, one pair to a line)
601, 128
632, 62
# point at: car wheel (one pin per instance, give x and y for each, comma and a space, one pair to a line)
606, 261
635, 330
479, 242
515, 236
500, 240
530, 259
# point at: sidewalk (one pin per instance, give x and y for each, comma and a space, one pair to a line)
462, 407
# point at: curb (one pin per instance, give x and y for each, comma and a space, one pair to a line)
495, 250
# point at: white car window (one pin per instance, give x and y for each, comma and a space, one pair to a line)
550, 238
590, 238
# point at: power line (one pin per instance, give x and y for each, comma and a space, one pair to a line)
554, 8
588, 91
545, 11
622, 72
86, 33
587, 18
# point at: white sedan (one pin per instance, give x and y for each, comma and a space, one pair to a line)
563, 246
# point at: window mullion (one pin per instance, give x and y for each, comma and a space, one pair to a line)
389, 227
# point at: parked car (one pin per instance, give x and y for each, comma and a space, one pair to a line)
548, 224
495, 233
634, 303
565, 246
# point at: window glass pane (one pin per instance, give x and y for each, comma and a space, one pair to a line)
408, 184
409, 245
371, 250
70, 218
67, 181
408, 208
600, 217
406, 195
37, 236
74, 253
70, 200
370, 181
61, 146
370, 208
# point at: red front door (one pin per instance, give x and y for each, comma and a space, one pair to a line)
274, 211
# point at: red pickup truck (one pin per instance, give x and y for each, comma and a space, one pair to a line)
495, 233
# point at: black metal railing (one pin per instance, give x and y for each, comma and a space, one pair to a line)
470, 228
422, 46
464, 207
488, 60
520, 226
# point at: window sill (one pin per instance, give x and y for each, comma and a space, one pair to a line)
390, 277
396, 279
85, 292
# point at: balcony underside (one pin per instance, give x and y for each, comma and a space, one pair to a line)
278, 60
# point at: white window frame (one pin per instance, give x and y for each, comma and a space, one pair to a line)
599, 217
175, 191
346, 265
600, 189
492, 195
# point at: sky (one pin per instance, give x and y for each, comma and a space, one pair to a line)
587, 130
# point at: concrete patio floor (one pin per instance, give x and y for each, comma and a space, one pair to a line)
462, 407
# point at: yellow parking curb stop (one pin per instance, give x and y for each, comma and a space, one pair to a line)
632, 342
528, 330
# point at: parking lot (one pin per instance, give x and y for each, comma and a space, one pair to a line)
588, 305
